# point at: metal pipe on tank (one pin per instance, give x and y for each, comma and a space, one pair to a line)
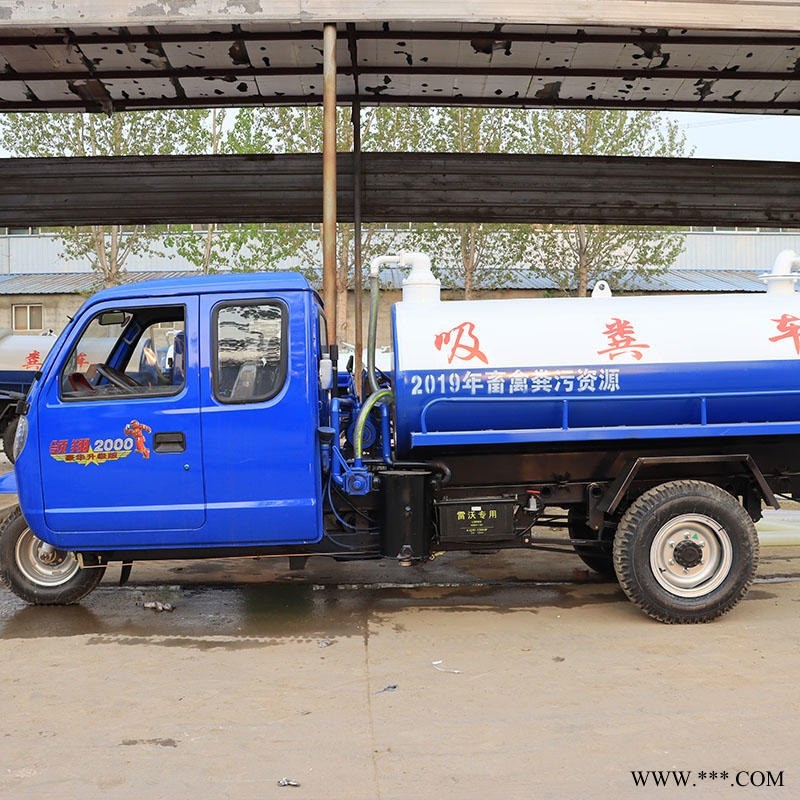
782, 278
374, 299
329, 177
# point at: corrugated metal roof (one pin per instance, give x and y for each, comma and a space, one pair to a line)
108, 69
71, 282
674, 280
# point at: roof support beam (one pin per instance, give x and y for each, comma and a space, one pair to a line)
427, 187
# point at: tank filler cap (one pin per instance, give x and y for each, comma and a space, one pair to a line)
782, 278
601, 290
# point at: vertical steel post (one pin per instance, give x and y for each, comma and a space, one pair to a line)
357, 280
329, 177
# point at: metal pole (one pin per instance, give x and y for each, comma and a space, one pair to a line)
357, 286
329, 177
358, 182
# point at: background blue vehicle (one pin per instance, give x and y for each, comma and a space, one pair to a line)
210, 421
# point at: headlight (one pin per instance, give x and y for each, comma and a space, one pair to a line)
21, 436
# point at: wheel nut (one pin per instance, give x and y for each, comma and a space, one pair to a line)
670, 562
671, 544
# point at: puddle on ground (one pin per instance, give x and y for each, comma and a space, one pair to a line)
246, 616
261, 614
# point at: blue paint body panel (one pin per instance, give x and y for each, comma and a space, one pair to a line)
250, 473
573, 403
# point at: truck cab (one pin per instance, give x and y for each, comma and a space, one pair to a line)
192, 425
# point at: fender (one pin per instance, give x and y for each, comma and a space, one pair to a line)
8, 483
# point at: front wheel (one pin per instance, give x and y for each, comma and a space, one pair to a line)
39, 573
686, 551
8, 439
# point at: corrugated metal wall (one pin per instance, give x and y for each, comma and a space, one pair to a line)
735, 249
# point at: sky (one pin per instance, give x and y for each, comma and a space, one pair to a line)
743, 136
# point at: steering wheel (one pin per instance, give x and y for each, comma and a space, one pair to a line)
119, 379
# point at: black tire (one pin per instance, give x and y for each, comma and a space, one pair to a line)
8, 438
23, 570
600, 559
686, 552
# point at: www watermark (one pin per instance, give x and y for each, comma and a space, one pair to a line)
752, 778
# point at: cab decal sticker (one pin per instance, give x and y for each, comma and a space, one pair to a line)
137, 430
100, 451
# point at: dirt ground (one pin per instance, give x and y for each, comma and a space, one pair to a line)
516, 675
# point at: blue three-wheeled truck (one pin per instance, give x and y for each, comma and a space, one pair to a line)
210, 421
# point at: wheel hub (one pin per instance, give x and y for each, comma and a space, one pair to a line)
687, 553
43, 564
691, 555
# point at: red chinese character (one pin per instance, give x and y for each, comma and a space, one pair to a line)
33, 361
622, 339
80, 446
58, 447
463, 342
789, 328
83, 362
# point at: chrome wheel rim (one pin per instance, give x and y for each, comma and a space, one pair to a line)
691, 555
43, 566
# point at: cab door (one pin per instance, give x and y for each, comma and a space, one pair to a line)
260, 417
119, 428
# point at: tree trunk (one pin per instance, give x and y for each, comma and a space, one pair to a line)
583, 262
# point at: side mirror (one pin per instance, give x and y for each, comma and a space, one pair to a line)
326, 374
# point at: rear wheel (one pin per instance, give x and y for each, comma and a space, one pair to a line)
39, 573
686, 551
598, 557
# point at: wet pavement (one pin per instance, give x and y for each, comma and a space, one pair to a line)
514, 675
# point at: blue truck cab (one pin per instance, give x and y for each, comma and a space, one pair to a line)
203, 417
212, 447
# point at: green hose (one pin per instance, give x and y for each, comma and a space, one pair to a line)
358, 436
372, 335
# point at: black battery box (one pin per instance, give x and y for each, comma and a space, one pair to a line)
476, 519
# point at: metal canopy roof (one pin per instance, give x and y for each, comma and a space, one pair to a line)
256, 63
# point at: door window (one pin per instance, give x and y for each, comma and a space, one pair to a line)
130, 352
250, 353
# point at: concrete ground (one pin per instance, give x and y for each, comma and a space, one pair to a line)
515, 675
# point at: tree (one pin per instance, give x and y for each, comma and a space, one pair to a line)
298, 246
122, 134
574, 257
464, 254
478, 255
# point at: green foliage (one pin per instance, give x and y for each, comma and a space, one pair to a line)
126, 134
479, 255
472, 255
